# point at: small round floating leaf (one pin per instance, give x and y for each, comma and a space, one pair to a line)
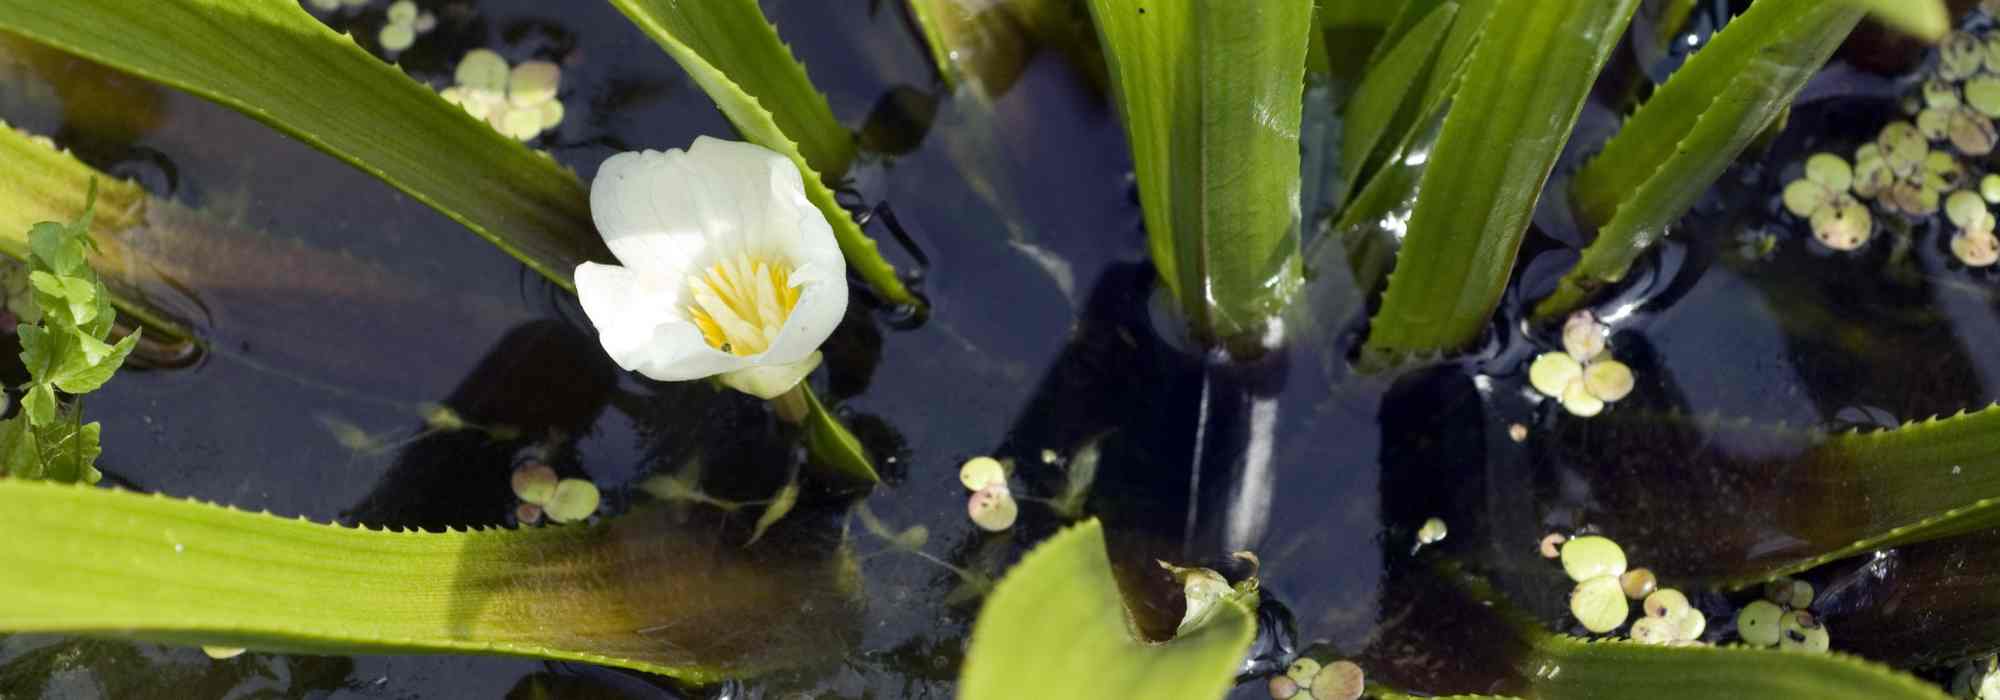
522, 124
527, 513
1340, 680
221, 653
1976, 249
980, 472
1666, 602
1592, 556
1283, 688
1830, 170
1598, 603
1971, 132
1638, 583
1608, 380
1779, 590
1802, 595
1302, 671
1935, 122
533, 83
425, 22
1432, 531
1989, 188
575, 499
1552, 372
1872, 177
1803, 197
1652, 630
1844, 224
1903, 147
1551, 545
402, 12
1757, 623
552, 114
1796, 631
1940, 93
1983, 93
1961, 56
1946, 168
534, 482
396, 37
482, 69
992, 508
1577, 399
1583, 336
1688, 625
1963, 207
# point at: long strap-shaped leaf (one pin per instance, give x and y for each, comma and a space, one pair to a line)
1210, 93
1692, 129
734, 54
636, 593
40, 183
1056, 629
1384, 101
274, 62
1512, 112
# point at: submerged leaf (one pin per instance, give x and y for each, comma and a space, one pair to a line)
734, 54
1510, 117
1211, 98
356, 108
1055, 628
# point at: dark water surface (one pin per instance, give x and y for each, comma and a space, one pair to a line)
342, 302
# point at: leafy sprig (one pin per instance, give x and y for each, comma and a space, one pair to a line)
66, 355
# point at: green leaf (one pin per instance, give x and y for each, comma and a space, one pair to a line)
1675, 147
82, 374
1211, 97
978, 44
1946, 595
1512, 113
43, 184
19, 456
1055, 628
40, 351
832, 446
1384, 100
273, 61
1929, 20
56, 246
638, 592
69, 451
780, 506
734, 54
39, 404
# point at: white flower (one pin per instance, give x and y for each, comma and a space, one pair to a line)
728, 269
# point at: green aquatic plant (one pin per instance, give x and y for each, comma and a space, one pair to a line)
66, 356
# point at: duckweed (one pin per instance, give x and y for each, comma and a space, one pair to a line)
1652, 630
979, 472
1798, 629
1638, 583
1433, 531
1598, 603
574, 500
1757, 623
1340, 680
1665, 603
534, 483
1583, 336
1551, 545
222, 653
1609, 380
1302, 671
1577, 399
1592, 556
1552, 372
993, 508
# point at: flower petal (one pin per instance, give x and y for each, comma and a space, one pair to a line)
822, 303
640, 326
767, 381
738, 197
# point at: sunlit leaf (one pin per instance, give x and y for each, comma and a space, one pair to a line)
1210, 95
1512, 113
637, 592
1677, 145
734, 54
246, 54
1055, 628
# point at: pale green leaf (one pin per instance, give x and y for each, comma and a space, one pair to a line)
833, 447
637, 592
1694, 126
39, 404
1055, 628
1513, 111
780, 505
734, 54
82, 375
1211, 97
273, 61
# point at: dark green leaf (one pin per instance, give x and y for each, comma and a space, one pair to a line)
1510, 117
833, 447
69, 451
1211, 97
1384, 102
248, 55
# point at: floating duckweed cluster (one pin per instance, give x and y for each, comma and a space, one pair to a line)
1918, 165
1605, 587
1433, 531
519, 101
991, 506
1583, 377
406, 23
542, 493
1307, 679
1781, 619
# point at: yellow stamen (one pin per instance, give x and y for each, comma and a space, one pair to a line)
739, 303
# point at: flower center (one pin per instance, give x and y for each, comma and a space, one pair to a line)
740, 302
